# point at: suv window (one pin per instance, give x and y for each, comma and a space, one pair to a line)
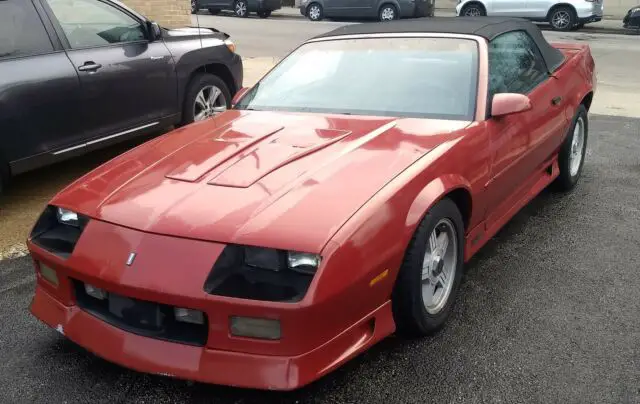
21, 31
89, 23
515, 64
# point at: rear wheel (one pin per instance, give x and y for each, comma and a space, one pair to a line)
473, 10
430, 274
264, 13
562, 18
315, 12
388, 12
241, 9
206, 96
573, 151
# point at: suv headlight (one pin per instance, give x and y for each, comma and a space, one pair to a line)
259, 273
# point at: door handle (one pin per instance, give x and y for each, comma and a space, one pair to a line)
556, 100
89, 67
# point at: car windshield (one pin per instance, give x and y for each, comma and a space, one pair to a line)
398, 77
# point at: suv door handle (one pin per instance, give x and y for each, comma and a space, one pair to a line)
556, 100
89, 67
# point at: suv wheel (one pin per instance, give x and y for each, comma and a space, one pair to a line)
388, 13
240, 9
206, 96
562, 18
314, 12
473, 10
194, 6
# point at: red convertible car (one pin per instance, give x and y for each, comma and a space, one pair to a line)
334, 205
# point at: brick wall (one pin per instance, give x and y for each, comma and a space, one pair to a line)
167, 13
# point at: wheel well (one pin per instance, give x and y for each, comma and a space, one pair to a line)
387, 3
462, 198
556, 6
586, 101
475, 3
221, 71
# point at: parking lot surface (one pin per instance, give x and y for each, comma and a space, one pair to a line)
548, 312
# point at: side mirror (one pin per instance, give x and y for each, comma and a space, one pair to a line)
239, 95
509, 103
154, 30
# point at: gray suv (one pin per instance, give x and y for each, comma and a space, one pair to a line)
77, 75
382, 10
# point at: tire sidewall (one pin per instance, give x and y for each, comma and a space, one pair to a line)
195, 85
565, 176
412, 268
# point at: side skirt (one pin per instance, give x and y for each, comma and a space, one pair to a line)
483, 232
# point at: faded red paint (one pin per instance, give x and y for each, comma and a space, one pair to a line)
352, 188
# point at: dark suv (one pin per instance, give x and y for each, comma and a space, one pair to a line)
77, 75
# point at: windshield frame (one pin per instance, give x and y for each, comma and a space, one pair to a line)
479, 94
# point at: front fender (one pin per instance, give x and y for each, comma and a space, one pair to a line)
434, 192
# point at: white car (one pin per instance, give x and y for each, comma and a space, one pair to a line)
564, 15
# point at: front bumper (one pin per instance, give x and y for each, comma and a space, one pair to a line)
203, 364
317, 336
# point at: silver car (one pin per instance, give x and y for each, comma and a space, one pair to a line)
564, 15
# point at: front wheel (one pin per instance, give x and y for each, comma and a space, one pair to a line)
241, 9
264, 13
473, 10
206, 96
314, 12
430, 274
194, 6
562, 18
573, 151
388, 12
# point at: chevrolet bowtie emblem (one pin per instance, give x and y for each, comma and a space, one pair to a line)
132, 257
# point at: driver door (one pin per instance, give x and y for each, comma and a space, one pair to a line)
127, 83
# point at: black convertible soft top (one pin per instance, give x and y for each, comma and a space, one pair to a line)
486, 27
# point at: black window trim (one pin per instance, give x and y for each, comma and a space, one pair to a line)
549, 75
63, 37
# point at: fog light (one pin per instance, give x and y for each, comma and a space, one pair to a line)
49, 274
188, 315
262, 328
92, 291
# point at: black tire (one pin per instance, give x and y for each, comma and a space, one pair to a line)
194, 6
566, 181
577, 27
197, 83
312, 14
264, 13
387, 10
473, 10
241, 8
409, 311
214, 11
563, 18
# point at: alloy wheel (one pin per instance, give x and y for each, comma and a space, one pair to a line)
210, 101
439, 266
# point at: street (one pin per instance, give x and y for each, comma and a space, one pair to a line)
548, 310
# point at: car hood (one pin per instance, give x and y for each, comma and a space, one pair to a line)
283, 180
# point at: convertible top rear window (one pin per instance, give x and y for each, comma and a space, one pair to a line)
399, 77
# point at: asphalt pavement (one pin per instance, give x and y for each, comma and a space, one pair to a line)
548, 313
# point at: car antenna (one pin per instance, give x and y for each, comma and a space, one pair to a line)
199, 30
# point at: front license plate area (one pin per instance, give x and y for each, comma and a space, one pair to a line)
136, 313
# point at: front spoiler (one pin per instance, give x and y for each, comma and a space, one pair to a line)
207, 365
